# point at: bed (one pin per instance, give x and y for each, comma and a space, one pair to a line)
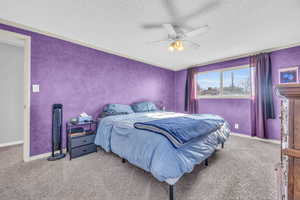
154, 152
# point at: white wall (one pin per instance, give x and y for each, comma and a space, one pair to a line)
11, 93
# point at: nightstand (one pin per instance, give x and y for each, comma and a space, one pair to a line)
80, 138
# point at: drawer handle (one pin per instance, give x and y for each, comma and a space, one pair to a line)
84, 141
295, 153
84, 150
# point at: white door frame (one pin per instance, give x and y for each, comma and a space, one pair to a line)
27, 83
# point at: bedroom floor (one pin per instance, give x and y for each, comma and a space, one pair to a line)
243, 170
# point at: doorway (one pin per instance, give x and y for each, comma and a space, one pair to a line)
15, 91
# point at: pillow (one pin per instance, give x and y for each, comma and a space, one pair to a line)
146, 106
106, 114
117, 109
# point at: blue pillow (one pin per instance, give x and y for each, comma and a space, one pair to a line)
146, 106
117, 109
106, 114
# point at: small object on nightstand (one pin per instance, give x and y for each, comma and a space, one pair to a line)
81, 137
77, 129
83, 117
74, 120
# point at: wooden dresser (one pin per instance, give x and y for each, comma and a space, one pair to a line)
290, 131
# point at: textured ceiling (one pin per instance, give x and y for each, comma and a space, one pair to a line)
235, 26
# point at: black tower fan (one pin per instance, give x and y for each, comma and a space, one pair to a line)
57, 121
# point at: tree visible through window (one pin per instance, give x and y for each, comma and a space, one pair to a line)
233, 82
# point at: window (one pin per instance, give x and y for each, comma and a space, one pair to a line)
225, 83
208, 84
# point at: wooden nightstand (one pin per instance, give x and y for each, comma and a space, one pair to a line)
80, 138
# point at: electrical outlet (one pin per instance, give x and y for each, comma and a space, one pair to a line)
236, 126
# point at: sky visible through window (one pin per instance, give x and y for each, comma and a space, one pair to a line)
210, 79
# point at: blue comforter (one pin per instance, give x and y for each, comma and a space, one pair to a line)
153, 152
181, 130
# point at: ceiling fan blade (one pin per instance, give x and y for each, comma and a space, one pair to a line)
172, 10
151, 26
170, 30
159, 41
206, 8
193, 43
197, 31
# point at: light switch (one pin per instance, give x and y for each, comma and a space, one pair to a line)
35, 88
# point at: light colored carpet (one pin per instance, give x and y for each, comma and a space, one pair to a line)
243, 170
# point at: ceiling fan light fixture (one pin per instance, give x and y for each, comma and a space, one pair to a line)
180, 47
176, 45
171, 48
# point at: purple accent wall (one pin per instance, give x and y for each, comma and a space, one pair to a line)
238, 110
84, 80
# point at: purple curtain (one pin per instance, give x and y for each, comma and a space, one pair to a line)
262, 102
191, 102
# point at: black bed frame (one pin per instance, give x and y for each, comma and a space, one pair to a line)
172, 187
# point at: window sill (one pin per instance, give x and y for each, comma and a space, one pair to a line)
225, 97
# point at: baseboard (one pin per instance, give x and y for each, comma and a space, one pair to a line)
256, 138
11, 143
44, 155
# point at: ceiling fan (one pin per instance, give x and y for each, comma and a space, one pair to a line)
177, 36
177, 25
